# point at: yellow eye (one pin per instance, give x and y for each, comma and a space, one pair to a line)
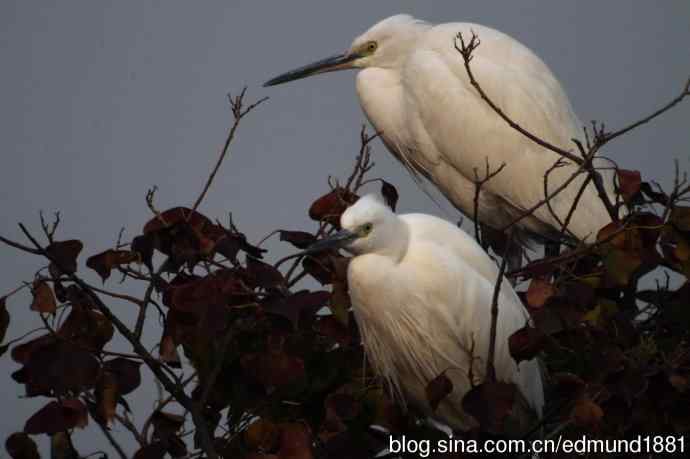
371, 46
366, 228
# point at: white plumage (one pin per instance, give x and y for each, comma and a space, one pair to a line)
421, 291
414, 89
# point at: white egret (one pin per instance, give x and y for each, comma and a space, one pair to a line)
421, 290
415, 90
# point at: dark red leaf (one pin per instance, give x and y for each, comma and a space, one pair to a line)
104, 262
329, 207
57, 417
144, 245
390, 194
298, 305
539, 292
331, 327
438, 389
263, 275
628, 183
295, 442
526, 343
126, 373
65, 254
44, 300
166, 424
490, 403
20, 446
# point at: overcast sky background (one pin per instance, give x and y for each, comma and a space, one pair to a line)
99, 101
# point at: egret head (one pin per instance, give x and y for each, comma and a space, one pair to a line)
368, 226
384, 45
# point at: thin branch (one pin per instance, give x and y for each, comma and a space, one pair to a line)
236, 105
478, 184
490, 367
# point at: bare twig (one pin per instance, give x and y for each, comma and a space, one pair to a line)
490, 367
478, 184
238, 112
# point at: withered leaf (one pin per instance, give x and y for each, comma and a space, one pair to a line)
273, 367
587, 414
526, 343
104, 262
154, 450
20, 446
176, 215
329, 207
126, 372
57, 417
89, 328
106, 397
539, 292
438, 389
298, 305
332, 328
263, 275
490, 403
61, 368
390, 194
44, 300
680, 218
166, 424
168, 352
567, 385
300, 239
628, 183
65, 254
295, 442
144, 245
262, 435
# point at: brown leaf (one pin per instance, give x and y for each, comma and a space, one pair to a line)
60, 368
154, 450
390, 194
567, 385
263, 275
526, 343
4, 318
165, 424
332, 328
295, 442
273, 367
299, 239
20, 446
298, 305
587, 414
539, 292
168, 352
490, 403
329, 207
144, 245
438, 389
106, 397
126, 373
44, 300
65, 254
679, 382
621, 266
680, 218
88, 328
57, 417
319, 267
262, 435
628, 183
176, 215
104, 262
22, 353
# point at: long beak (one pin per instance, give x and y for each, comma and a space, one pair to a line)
330, 64
339, 240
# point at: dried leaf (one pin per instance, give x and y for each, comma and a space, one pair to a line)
539, 292
166, 424
104, 262
57, 417
298, 305
262, 435
154, 450
567, 385
168, 352
621, 266
438, 389
628, 183
263, 275
299, 239
144, 245
526, 343
490, 403
295, 442
390, 194
329, 207
65, 254
332, 328
587, 414
680, 218
106, 397
126, 373
274, 367
20, 446
44, 300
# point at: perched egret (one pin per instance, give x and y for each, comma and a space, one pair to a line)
415, 90
421, 291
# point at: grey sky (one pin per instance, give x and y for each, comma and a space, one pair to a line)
101, 100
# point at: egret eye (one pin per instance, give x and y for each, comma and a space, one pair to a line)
371, 46
366, 228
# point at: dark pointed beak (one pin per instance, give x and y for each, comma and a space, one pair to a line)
330, 64
339, 240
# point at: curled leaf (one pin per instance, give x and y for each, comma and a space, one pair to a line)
44, 300
104, 262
